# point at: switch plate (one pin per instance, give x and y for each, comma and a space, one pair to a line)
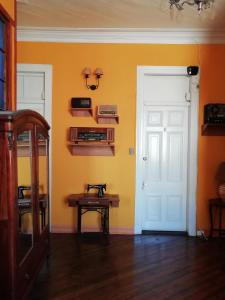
131, 151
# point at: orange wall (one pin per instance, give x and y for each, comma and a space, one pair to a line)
211, 149
118, 86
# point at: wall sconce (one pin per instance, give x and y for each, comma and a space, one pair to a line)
98, 73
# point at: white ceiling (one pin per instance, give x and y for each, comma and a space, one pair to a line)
116, 14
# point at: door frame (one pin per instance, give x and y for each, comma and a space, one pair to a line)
47, 70
192, 142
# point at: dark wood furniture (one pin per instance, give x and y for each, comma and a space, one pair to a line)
216, 212
91, 202
24, 229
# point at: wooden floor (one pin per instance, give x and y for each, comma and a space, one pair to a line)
132, 267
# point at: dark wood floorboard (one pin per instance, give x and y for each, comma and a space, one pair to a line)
93, 267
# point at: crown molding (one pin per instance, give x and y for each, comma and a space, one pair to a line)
121, 35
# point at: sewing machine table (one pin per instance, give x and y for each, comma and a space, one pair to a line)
91, 202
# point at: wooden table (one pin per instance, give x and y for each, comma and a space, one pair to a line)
91, 202
216, 207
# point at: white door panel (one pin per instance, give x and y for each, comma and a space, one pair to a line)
33, 106
20, 86
165, 88
31, 87
153, 207
174, 156
165, 167
154, 156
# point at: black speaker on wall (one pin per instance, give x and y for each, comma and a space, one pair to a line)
192, 70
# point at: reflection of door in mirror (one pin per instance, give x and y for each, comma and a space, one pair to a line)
43, 181
25, 201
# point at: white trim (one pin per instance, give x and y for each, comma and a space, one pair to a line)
47, 69
164, 70
193, 156
121, 35
193, 143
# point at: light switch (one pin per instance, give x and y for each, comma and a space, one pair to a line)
131, 151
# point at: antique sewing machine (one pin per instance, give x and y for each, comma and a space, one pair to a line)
22, 188
99, 187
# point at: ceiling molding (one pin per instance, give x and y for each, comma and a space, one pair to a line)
121, 35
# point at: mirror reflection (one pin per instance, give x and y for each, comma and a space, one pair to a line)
24, 197
43, 181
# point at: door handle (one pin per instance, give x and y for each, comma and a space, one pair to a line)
145, 158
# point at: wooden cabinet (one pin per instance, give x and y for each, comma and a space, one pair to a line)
24, 217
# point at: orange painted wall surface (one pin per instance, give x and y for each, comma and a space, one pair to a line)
118, 86
9, 6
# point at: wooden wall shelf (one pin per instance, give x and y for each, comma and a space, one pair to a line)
91, 135
81, 112
107, 119
213, 129
92, 149
91, 141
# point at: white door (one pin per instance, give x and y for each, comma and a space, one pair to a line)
167, 147
165, 154
31, 91
34, 91
34, 88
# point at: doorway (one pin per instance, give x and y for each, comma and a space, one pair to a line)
34, 91
167, 127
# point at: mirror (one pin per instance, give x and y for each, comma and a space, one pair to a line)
24, 196
43, 181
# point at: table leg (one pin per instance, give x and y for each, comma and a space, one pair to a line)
220, 221
42, 218
79, 219
211, 220
20, 221
103, 219
107, 220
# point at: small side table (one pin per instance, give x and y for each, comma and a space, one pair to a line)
216, 207
91, 202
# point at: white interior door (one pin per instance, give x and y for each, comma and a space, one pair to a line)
31, 91
34, 91
167, 139
165, 154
